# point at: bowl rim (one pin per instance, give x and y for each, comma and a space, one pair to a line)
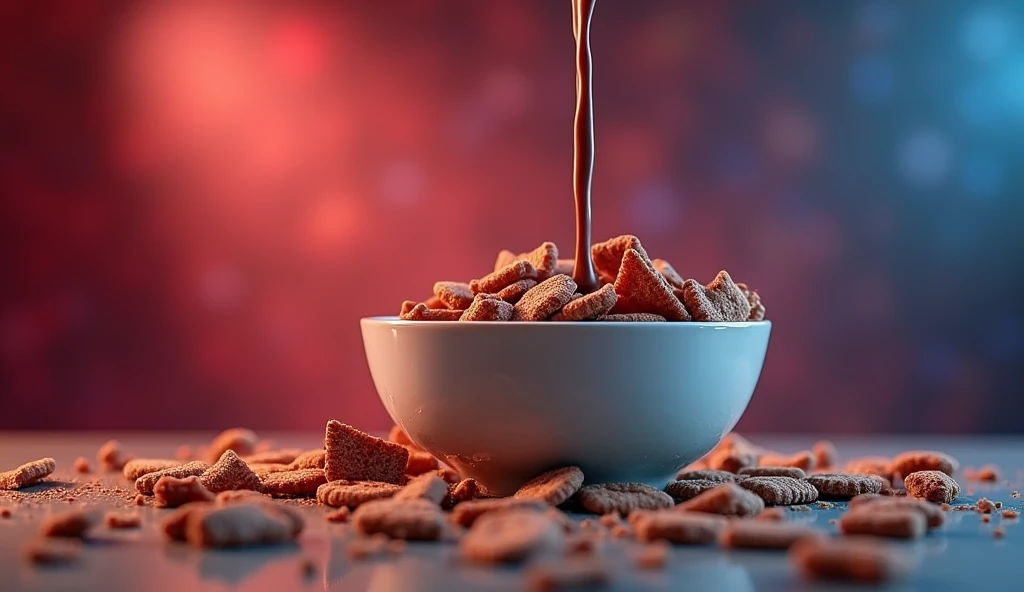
394, 320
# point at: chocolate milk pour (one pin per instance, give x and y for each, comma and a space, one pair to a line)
583, 146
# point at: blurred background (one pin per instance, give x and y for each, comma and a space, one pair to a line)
198, 200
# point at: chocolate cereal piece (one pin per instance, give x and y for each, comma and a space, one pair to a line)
486, 307
719, 301
934, 486
903, 523
511, 536
756, 306
680, 528
633, 317
172, 492
685, 489
241, 441
353, 493
467, 513
299, 483
454, 295
642, 289
554, 487
923, 460
138, 467
803, 460
504, 277
762, 534
544, 299
81, 465
856, 559
773, 471
668, 272
310, 459
69, 524
781, 491
420, 312
357, 456
505, 258
406, 519
608, 255
839, 486
825, 454
238, 496
27, 474
727, 499
110, 457
145, 483
230, 472
52, 551
284, 456
398, 436
870, 465
122, 520
623, 498
427, 486
589, 306
514, 291
544, 259
463, 491
987, 473
240, 525
933, 514
574, 573
708, 475
731, 460
420, 461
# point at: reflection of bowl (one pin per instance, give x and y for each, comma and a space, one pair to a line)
502, 402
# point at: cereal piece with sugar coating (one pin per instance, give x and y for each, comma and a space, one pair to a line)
554, 487
719, 301
686, 489
27, 474
70, 524
241, 441
762, 534
420, 312
427, 486
298, 483
781, 491
803, 460
774, 471
511, 536
589, 306
172, 492
850, 559
506, 276
145, 483
81, 465
640, 288
110, 457
933, 486
923, 460
138, 467
838, 486
514, 291
357, 456
486, 307
731, 460
608, 255
901, 523
463, 491
623, 498
726, 499
933, 514
354, 493
680, 528
544, 299
708, 475
230, 472
466, 513
412, 519
544, 259
454, 295
754, 299
668, 272
310, 459
870, 465
632, 317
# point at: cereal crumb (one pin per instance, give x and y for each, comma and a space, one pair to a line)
27, 474
5, 513
652, 556
140, 500
985, 506
986, 518
172, 492
70, 524
81, 465
122, 520
52, 552
1009, 514
339, 515
998, 532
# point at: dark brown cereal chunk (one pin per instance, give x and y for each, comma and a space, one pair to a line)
727, 499
904, 523
708, 475
608, 255
27, 474
544, 299
427, 486
570, 574
763, 534
172, 492
932, 513
685, 489
486, 307
773, 471
756, 306
848, 560
668, 272
354, 493
53, 551
420, 312
825, 454
504, 277
623, 498
544, 259
838, 486
781, 491
454, 295
407, 519
119, 520
242, 441
298, 483
719, 301
230, 472
357, 456
145, 483
138, 467
511, 536
934, 486
420, 461
680, 528
642, 289
467, 513
514, 291
71, 524
923, 460
589, 306
81, 465
554, 487
633, 317
310, 459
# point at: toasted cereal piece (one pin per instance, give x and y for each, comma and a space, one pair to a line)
339, 515
932, 513
923, 460
467, 513
230, 472
773, 514
283, 456
608, 255
731, 461
145, 483
985, 506
514, 291
680, 528
110, 456
353, 455
708, 475
138, 467
427, 486
544, 299
238, 496
421, 312
544, 259
668, 272
449, 474
299, 483
727, 499
504, 277
413, 519
420, 461
45, 552
756, 306
849, 559
633, 317
686, 489
172, 492
310, 459
987, 473
839, 486
825, 454
589, 306
240, 525
434, 303
487, 307
454, 295
554, 487
934, 486
567, 574
773, 471
903, 523
70, 524
398, 436
354, 493
781, 491
652, 556
264, 469
640, 288
763, 534
122, 520
803, 460
463, 491
721, 300
81, 465
623, 498
510, 536
505, 258
27, 474
870, 465
1010, 514
407, 306
241, 441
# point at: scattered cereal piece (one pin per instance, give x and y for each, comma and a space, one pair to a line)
852, 559
923, 460
230, 472
904, 523
357, 456
339, 515
754, 299
680, 528
283, 456
773, 514
72, 523
467, 513
668, 272
505, 258
719, 301
172, 492
544, 299
608, 255
761, 534
589, 306
652, 556
463, 491
138, 467
932, 513
836, 486
504, 277
727, 499
544, 259
486, 307
774, 471
623, 498
407, 306
1010, 514
554, 487
242, 441
140, 500
642, 289
236, 525
110, 457
145, 483
420, 312
299, 483
985, 506
81, 465
825, 454
122, 520
5, 512
426, 486
987, 473
354, 493
510, 536
731, 461
934, 486
998, 532
27, 474
685, 489
407, 519
310, 459
803, 460
454, 295
986, 518
574, 573
53, 551
781, 491
237, 496
870, 465
633, 317
708, 475
514, 291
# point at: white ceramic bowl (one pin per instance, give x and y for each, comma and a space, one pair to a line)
503, 402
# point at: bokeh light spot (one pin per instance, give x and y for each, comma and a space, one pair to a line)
877, 20
986, 34
401, 182
924, 158
978, 104
982, 176
791, 135
654, 206
872, 79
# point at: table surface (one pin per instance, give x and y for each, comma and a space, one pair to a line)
963, 555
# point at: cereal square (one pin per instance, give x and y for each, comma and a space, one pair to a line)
357, 456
